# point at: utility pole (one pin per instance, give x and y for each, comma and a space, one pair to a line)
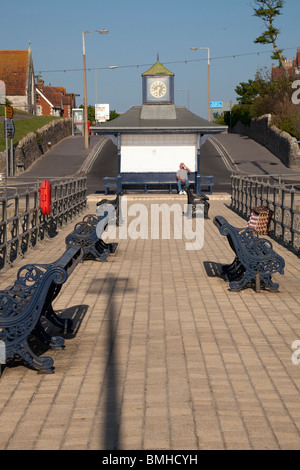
86, 130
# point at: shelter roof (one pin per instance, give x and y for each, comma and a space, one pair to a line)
158, 120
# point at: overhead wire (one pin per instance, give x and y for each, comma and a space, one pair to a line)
185, 61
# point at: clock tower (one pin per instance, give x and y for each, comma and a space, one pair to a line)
158, 85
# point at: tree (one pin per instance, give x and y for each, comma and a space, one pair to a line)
267, 11
248, 91
218, 118
90, 112
113, 114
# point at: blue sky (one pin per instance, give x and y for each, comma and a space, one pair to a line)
138, 30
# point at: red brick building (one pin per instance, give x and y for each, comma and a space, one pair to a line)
293, 67
54, 101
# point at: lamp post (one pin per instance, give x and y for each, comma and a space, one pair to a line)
86, 132
208, 71
96, 93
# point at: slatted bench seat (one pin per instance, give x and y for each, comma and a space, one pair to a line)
155, 181
110, 182
24, 304
194, 199
87, 233
84, 236
107, 204
255, 260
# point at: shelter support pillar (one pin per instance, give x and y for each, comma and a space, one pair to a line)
197, 175
119, 184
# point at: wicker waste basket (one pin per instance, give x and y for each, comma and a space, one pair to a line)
260, 219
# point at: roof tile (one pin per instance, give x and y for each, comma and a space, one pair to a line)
13, 71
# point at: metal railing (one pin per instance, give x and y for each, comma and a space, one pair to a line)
23, 225
282, 198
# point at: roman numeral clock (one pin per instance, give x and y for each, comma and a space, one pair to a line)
158, 85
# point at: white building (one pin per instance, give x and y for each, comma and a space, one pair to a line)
153, 139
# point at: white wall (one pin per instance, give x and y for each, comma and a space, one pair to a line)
157, 152
19, 102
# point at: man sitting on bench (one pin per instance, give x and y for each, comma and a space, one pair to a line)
182, 178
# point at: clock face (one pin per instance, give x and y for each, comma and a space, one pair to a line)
158, 89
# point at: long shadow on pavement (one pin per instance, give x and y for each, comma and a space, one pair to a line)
110, 432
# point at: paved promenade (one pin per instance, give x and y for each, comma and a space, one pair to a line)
163, 356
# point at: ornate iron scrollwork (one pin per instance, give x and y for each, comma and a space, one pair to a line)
255, 258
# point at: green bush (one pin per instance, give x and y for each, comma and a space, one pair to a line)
218, 118
289, 123
240, 112
266, 96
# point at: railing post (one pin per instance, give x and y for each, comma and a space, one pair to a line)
292, 217
28, 225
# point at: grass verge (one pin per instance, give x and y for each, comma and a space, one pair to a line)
23, 127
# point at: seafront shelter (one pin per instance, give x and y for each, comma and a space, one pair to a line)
154, 138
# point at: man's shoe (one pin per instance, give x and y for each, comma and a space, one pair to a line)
183, 192
180, 192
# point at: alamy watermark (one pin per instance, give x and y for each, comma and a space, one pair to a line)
296, 94
138, 221
296, 353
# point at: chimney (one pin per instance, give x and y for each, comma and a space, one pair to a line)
40, 84
298, 57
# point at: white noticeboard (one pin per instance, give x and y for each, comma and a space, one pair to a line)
158, 153
101, 112
2, 92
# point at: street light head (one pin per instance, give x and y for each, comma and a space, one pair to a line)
100, 31
196, 48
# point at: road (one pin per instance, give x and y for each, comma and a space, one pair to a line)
245, 156
212, 163
220, 156
68, 158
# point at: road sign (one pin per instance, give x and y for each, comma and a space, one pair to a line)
9, 112
9, 128
216, 104
227, 106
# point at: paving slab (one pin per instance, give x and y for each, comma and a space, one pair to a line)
163, 355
